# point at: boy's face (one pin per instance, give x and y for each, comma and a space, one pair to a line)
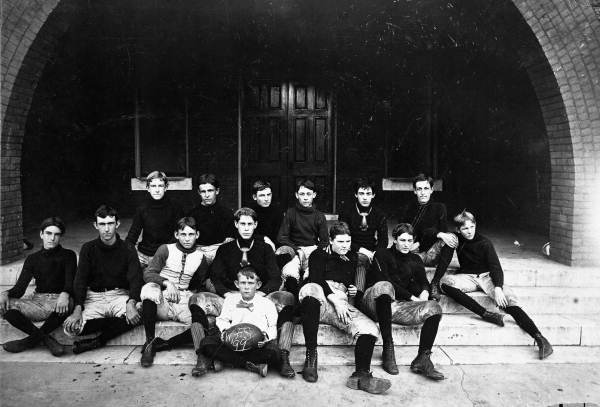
423, 191
50, 237
245, 226
156, 188
305, 196
247, 286
263, 198
341, 244
107, 229
364, 196
468, 230
187, 237
208, 193
404, 242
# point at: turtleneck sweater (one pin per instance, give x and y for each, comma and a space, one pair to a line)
214, 222
102, 267
157, 219
269, 220
325, 264
53, 270
376, 234
303, 227
406, 272
427, 220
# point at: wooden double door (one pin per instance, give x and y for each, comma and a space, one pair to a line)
287, 135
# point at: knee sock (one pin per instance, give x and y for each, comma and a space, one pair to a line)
114, 327
445, 258
52, 322
383, 309
311, 309
181, 339
21, 322
286, 327
363, 352
463, 299
523, 320
199, 325
149, 317
291, 285
428, 332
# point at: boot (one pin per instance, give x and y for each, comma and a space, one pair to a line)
201, 367
493, 317
545, 349
148, 354
389, 358
310, 366
217, 365
436, 292
423, 365
261, 368
366, 382
86, 345
55, 348
160, 345
284, 360
21, 344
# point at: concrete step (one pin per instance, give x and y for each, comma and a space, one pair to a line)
455, 330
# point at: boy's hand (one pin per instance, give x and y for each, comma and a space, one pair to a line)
367, 253
343, 311
73, 321
500, 297
131, 314
449, 239
262, 343
352, 290
62, 304
270, 243
424, 295
171, 292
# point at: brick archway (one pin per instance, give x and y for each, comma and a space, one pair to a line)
562, 58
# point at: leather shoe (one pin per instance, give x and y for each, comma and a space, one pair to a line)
423, 365
389, 358
366, 382
86, 345
54, 347
309, 373
545, 349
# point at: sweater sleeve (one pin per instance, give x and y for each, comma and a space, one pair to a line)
444, 261
284, 232
317, 263
378, 271
136, 228
223, 321
323, 232
70, 270
134, 275
80, 282
272, 270
494, 266
23, 281
421, 276
152, 272
430, 234
218, 273
199, 276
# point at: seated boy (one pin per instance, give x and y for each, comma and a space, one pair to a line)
175, 269
245, 306
269, 215
324, 299
303, 229
155, 218
480, 270
53, 268
399, 292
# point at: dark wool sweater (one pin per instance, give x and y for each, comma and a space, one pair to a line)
158, 220
103, 267
303, 227
269, 221
376, 235
325, 266
53, 270
215, 223
427, 220
476, 256
406, 272
227, 263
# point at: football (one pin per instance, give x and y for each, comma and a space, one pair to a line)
242, 337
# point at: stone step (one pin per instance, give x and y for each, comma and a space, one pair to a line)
455, 330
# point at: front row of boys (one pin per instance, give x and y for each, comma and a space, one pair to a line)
326, 271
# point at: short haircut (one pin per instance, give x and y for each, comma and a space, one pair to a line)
260, 185
157, 175
53, 221
306, 183
339, 228
245, 212
420, 178
106, 210
463, 217
403, 228
186, 221
249, 272
363, 183
208, 179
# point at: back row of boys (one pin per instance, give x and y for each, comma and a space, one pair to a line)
346, 277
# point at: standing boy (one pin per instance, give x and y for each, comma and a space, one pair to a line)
155, 218
53, 269
324, 299
480, 270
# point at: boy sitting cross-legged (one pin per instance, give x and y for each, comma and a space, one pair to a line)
245, 307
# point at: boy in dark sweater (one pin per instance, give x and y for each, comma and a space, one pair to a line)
53, 269
368, 226
324, 299
270, 215
399, 292
214, 221
247, 250
303, 229
156, 218
106, 286
480, 270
